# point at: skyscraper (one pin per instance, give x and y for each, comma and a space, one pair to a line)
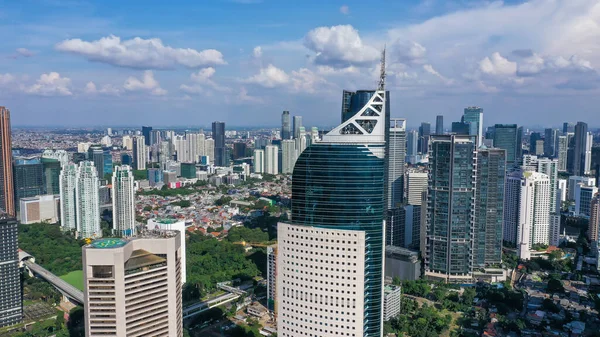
286, 128
271, 159
594, 224
68, 201
561, 153
28, 178
579, 149
412, 143
297, 126
489, 206
338, 205
96, 155
133, 287
450, 209
88, 201
209, 149
146, 130
218, 134
439, 125
239, 150
416, 183
506, 137
7, 192
568, 127
259, 161
474, 116
550, 142
424, 135
396, 159
123, 201
11, 303
139, 153
51, 179
533, 138
288, 156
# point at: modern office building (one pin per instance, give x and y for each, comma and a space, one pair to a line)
402, 263
562, 147
583, 199
396, 159
272, 278
11, 302
449, 224
155, 137
87, 201
96, 155
533, 139
188, 170
461, 128
172, 225
506, 136
68, 200
392, 298
424, 136
288, 156
132, 287
587, 155
218, 135
155, 176
439, 125
412, 143
489, 206
146, 131
28, 178
51, 174
416, 183
271, 159
579, 149
139, 153
126, 159
286, 127
568, 127
38, 209
259, 161
550, 142
239, 150
7, 192
297, 124
574, 181
123, 201
474, 116
338, 204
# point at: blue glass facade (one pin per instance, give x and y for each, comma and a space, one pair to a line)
108, 162
341, 186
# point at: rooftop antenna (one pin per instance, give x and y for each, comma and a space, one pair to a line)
381, 86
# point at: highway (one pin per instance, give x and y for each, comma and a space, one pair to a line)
67, 289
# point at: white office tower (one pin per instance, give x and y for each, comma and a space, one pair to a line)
259, 161
416, 183
123, 195
271, 159
527, 210
574, 181
140, 155
127, 143
561, 151
61, 155
68, 203
288, 156
301, 143
133, 287
396, 160
88, 201
209, 149
583, 199
587, 155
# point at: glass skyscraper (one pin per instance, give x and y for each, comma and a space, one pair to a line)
506, 136
29, 178
474, 116
338, 206
218, 134
286, 128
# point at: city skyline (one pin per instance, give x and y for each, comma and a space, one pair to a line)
279, 59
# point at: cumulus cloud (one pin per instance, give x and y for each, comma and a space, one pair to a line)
345, 10
536, 64
24, 52
51, 84
327, 70
497, 65
269, 77
257, 52
107, 89
201, 81
408, 52
244, 97
147, 84
140, 53
304, 80
340, 47
6, 79
429, 68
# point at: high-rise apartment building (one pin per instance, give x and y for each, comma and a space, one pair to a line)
7, 192
271, 159
133, 287
396, 158
594, 224
123, 196
489, 206
28, 178
11, 303
286, 128
336, 287
259, 161
139, 153
68, 200
450, 208
146, 131
87, 201
506, 136
272, 277
127, 143
439, 125
550, 142
288, 156
562, 147
218, 135
474, 116
587, 155
579, 149
297, 124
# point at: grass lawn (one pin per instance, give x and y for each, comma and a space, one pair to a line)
74, 278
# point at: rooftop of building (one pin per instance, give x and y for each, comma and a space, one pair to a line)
390, 288
141, 258
109, 243
401, 251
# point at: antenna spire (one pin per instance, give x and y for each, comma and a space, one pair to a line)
382, 71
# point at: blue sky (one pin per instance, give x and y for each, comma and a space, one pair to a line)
110, 63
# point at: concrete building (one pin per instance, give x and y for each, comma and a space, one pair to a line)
416, 183
576, 180
41, 208
68, 200
133, 287
128, 143
139, 153
297, 125
583, 199
123, 201
396, 159
259, 161
402, 263
392, 297
594, 224
87, 201
271, 159
172, 225
11, 300
7, 192
288, 156
561, 152
272, 278
209, 150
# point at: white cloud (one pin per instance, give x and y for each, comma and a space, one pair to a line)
345, 10
148, 83
257, 52
304, 80
107, 89
269, 77
140, 53
339, 46
327, 70
203, 80
497, 65
6, 79
244, 97
404, 51
24, 52
429, 68
51, 84
536, 64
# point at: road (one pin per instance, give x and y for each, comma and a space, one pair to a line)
67, 289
